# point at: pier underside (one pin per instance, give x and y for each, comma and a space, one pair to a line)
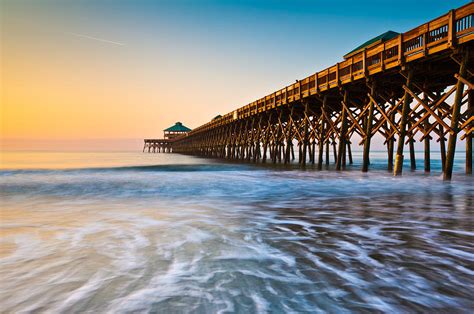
157, 146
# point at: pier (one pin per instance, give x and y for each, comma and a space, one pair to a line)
157, 146
165, 144
404, 87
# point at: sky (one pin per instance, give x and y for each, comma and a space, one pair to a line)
104, 74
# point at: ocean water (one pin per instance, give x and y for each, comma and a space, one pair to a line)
166, 233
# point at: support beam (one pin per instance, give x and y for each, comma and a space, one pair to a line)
344, 155
300, 153
390, 146
327, 153
322, 136
427, 160
470, 109
289, 145
442, 146
455, 119
411, 144
342, 135
368, 131
305, 135
349, 151
403, 126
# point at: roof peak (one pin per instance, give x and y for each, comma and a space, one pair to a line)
377, 39
177, 127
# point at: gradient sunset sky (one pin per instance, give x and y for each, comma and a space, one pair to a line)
105, 74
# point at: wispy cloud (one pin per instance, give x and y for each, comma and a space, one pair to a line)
96, 38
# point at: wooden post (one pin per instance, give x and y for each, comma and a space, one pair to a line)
368, 130
412, 153
427, 149
391, 141
300, 152
344, 155
321, 138
427, 138
451, 29
320, 147
390, 146
305, 134
270, 150
274, 151
249, 140
327, 152
289, 145
259, 140
277, 142
342, 135
309, 150
281, 153
256, 141
280, 150
265, 149
403, 126
470, 108
349, 151
455, 119
442, 145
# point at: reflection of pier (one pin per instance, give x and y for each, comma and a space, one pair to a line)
164, 145
395, 86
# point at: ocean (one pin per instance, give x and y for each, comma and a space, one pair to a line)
122, 232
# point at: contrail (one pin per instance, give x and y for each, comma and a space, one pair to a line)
95, 38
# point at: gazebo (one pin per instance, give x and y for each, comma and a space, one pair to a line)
176, 130
370, 43
165, 144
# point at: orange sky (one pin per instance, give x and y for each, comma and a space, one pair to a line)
92, 74
69, 83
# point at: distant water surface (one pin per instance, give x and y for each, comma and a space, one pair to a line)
133, 232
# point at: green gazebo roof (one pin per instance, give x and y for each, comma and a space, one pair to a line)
178, 127
381, 38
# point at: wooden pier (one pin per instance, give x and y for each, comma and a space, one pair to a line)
403, 87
